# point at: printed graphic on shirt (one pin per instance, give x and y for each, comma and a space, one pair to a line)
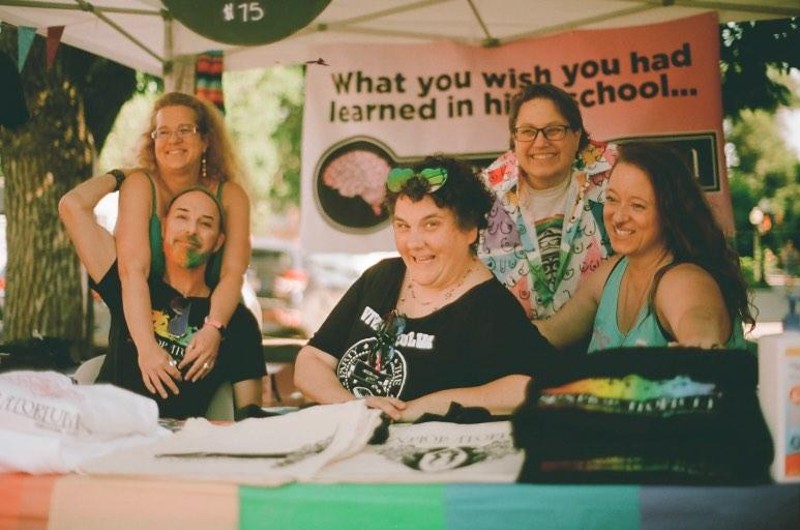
373, 367
305, 452
446, 458
412, 339
173, 332
362, 378
634, 395
549, 232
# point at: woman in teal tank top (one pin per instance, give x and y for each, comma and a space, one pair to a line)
185, 144
646, 329
675, 279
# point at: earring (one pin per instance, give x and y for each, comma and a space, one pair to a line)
203, 166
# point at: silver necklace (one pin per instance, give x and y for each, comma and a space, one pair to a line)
445, 297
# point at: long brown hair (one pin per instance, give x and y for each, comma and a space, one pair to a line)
221, 159
690, 230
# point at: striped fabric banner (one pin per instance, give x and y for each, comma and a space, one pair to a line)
87, 503
208, 78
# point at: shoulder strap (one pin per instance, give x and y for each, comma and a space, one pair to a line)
214, 267
157, 259
153, 190
660, 274
611, 272
657, 280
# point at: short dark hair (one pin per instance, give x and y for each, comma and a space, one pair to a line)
464, 192
563, 101
690, 230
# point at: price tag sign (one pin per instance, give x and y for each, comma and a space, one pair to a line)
243, 22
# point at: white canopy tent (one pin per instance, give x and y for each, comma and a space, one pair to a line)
143, 35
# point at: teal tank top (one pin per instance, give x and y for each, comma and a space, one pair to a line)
157, 258
646, 331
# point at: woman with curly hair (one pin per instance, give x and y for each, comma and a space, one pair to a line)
674, 277
433, 327
185, 144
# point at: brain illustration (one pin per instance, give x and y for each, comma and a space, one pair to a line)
358, 173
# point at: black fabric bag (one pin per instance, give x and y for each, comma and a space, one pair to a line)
645, 415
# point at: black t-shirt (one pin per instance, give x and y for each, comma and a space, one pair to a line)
480, 337
175, 321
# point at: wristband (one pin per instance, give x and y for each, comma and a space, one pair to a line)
215, 324
119, 175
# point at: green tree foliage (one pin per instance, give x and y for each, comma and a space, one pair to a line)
72, 105
766, 172
749, 53
756, 60
264, 113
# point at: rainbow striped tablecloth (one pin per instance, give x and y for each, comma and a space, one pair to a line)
87, 503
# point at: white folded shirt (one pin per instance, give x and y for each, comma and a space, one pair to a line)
265, 451
50, 425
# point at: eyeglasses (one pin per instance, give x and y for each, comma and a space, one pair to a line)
393, 325
436, 177
551, 132
181, 132
179, 323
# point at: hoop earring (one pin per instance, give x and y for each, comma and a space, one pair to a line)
204, 166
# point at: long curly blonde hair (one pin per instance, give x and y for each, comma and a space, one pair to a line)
222, 161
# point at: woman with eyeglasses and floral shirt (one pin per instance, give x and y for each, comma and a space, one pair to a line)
185, 144
433, 327
545, 232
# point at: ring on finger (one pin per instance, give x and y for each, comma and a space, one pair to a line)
206, 366
173, 362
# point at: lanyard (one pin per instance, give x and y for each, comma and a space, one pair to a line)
543, 288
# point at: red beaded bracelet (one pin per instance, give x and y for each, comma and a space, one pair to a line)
215, 324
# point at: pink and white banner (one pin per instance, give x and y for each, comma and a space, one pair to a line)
369, 108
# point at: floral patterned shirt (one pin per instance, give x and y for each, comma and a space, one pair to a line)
510, 247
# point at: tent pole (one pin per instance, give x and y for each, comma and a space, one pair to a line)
167, 67
78, 6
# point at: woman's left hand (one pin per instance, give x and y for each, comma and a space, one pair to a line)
201, 353
413, 410
392, 407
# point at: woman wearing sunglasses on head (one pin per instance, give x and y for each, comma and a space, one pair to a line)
433, 327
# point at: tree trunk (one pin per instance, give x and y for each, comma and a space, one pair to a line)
42, 160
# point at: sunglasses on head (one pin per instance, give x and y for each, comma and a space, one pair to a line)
436, 177
181, 307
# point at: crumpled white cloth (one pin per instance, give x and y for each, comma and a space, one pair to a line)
264, 451
50, 425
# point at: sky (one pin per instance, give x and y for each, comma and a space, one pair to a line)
791, 120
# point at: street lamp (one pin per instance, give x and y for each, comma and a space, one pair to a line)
756, 218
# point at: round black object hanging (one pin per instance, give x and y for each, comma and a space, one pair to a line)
243, 22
